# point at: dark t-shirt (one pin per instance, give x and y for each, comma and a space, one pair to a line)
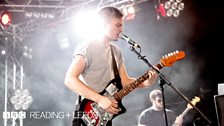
150, 117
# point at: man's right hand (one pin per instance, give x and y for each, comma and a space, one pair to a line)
108, 104
179, 120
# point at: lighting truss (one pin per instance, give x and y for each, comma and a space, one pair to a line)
63, 12
11, 76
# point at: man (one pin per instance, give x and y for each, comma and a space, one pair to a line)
92, 61
154, 116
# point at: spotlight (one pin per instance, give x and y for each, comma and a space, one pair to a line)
5, 18
21, 99
38, 15
27, 52
3, 52
173, 7
129, 12
170, 8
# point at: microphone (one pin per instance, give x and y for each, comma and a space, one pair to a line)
131, 42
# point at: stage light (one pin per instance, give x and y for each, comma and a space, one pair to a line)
3, 52
125, 11
129, 12
21, 99
5, 18
27, 52
38, 15
173, 7
87, 24
170, 8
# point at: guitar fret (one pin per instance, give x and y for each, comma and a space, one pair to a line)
130, 88
138, 82
123, 92
159, 66
119, 95
116, 97
135, 84
133, 87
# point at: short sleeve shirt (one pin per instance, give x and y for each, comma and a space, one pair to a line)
98, 70
150, 117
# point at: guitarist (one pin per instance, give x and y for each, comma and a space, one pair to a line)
92, 61
154, 116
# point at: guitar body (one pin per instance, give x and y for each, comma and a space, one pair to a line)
93, 114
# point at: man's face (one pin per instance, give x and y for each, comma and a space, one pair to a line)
114, 28
158, 102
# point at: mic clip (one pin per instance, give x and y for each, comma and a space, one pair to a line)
131, 42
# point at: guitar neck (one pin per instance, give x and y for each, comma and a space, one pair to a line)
185, 112
123, 92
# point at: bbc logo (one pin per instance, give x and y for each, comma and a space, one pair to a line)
14, 115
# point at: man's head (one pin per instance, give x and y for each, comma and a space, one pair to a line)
112, 21
156, 99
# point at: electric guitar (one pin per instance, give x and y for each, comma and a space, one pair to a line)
194, 101
94, 115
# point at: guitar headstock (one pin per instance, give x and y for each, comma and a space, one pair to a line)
171, 58
194, 101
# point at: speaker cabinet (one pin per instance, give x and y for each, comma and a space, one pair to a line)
219, 106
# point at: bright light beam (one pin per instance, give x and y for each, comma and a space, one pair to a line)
87, 25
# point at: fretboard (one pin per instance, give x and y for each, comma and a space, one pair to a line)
185, 112
126, 90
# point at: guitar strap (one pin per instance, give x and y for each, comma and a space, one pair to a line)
117, 82
116, 72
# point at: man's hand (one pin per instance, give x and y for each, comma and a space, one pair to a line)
152, 79
110, 105
152, 76
178, 121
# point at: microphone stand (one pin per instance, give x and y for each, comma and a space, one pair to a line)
164, 104
163, 81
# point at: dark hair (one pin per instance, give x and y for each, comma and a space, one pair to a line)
155, 93
106, 13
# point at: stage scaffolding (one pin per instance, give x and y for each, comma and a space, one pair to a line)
11, 78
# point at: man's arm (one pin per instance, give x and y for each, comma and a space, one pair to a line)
125, 79
73, 82
178, 121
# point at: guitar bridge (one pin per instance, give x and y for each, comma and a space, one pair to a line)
87, 120
103, 116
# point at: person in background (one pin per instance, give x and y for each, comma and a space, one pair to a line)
154, 115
